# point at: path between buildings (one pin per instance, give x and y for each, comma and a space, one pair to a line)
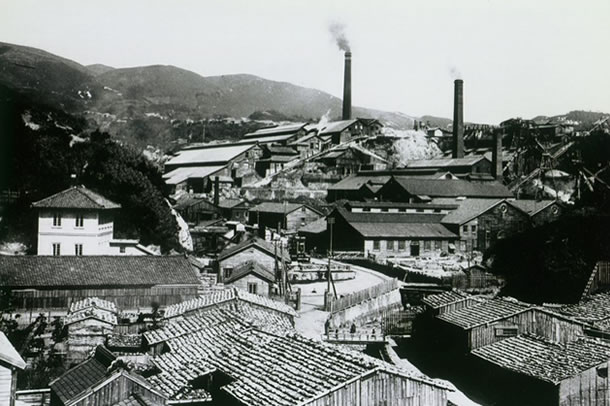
311, 317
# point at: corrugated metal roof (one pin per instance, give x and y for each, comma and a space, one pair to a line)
279, 208
544, 360
251, 267
263, 245
77, 197
470, 209
211, 154
487, 312
452, 187
179, 175
408, 230
336, 126
35, 271
531, 207
355, 182
283, 129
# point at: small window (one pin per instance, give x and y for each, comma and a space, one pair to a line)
473, 228
419, 210
464, 229
390, 245
303, 209
56, 248
227, 273
602, 372
78, 249
384, 209
57, 220
79, 220
376, 245
427, 245
122, 249
506, 331
252, 287
401, 245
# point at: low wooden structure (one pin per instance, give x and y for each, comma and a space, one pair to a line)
546, 373
10, 362
46, 283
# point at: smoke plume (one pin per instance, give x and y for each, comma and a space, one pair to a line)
337, 30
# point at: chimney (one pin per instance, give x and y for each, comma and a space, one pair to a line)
458, 119
496, 156
347, 87
216, 191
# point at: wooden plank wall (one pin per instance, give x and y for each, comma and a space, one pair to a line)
532, 321
124, 298
589, 388
117, 390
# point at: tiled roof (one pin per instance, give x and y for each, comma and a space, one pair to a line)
381, 217
117, 340
486, 312
444, 299
263, 245
251, 267
83, 271
9, 354
337, 126
544, 360
281, 150
267, 369
91, 313
272, 131
231, 203
93, 302
83, 376
595, 308
219, 153
78, 197
470, 209
138, 400
452, 187
223, 296
402, 205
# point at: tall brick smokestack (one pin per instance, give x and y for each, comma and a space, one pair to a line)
496, 156
347, 87
216, 191
458, 119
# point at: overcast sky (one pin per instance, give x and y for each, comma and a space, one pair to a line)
517, 58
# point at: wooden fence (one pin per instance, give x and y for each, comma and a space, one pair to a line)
363, 295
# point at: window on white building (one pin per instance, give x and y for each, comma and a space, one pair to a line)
122, 249
79, 220
78, 249
390, 245
252, 287
56, 248
376, 245
57, 219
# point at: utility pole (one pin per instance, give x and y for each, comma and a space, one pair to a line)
331, 221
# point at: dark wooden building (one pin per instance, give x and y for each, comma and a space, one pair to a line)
45, 283
533, 371
97, 382
288, 216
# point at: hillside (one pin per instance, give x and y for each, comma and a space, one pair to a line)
98, 68
582, 119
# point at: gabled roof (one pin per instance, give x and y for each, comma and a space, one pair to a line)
593, 309
259, 243
543, 360
83, 376
280, 208
9, 354
470, 209
32, 271
316, 227
232, 203
337, 126
446, 298
77, 197
532, 207
218, 154
251, 267
278, 130
452, 187
355, 182
396, 225
93, 302
487, 312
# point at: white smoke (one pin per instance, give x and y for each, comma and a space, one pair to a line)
337, 30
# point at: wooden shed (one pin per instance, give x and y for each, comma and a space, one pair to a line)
45, 283
546, 373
